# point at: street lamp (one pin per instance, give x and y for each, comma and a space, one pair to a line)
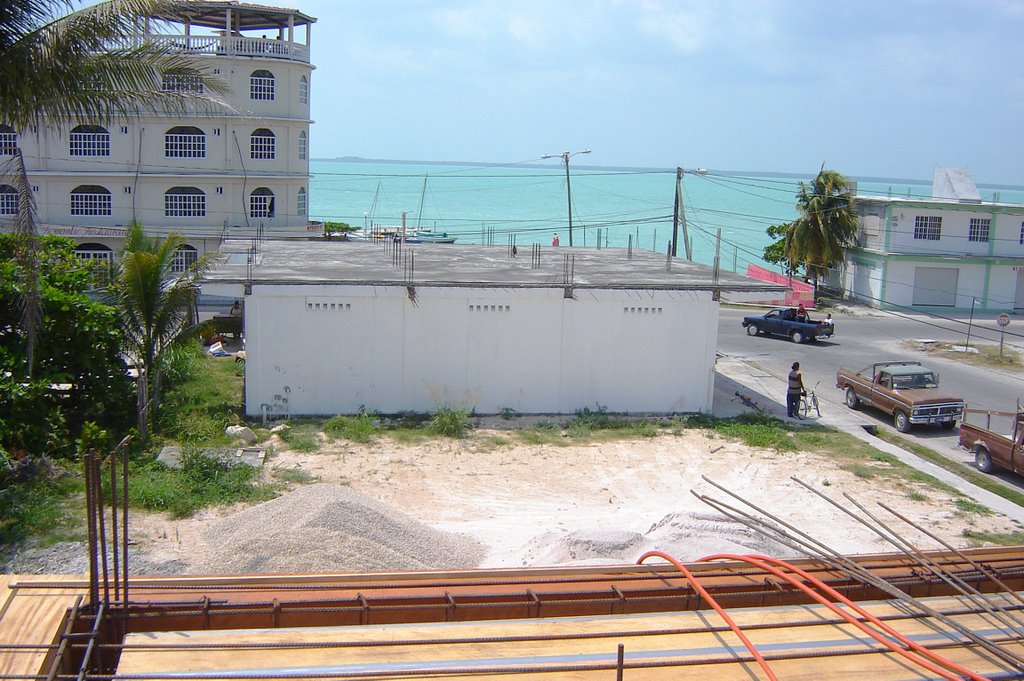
565, 156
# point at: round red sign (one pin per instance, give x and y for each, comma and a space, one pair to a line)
1003, 319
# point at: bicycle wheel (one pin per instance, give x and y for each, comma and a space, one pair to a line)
803, 408
814, 401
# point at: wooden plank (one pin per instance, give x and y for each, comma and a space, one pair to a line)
33, 616
694, 642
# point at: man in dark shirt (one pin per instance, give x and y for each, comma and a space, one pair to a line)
794, 390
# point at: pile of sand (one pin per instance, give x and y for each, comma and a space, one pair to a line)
329, 528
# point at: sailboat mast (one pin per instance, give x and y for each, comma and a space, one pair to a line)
423, 194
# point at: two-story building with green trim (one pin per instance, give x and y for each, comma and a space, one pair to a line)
950, 251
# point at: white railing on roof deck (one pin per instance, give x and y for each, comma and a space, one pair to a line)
235, 45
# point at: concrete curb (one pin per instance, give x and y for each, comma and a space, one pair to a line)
767, 391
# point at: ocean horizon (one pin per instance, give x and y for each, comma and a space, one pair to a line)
527, 203
584, 166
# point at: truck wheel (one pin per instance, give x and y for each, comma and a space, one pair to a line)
851, 398
752, 330
797, 337
948, 425
983, 460
901, 421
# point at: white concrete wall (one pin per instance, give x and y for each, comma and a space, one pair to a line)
529, 350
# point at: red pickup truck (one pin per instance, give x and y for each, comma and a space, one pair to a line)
992, 449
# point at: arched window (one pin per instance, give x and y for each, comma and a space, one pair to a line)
184, 258
90, 199
185, 141
184, 202
261, 203
8, 200
8, 140
303, 90
99, 252
262, 144
303, 146
300, 202
261, 85
90, 140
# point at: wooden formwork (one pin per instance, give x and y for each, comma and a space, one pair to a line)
539, 616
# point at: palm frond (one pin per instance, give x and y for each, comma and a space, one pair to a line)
94, 65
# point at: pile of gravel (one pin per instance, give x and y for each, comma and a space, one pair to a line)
328, 528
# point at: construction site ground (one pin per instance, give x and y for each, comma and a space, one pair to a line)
491, 501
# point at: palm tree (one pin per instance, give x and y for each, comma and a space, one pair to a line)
826, 224
58, 69
156, 307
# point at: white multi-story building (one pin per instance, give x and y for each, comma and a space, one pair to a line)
950, 252
209, 174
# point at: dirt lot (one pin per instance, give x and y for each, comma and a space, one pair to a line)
499, 503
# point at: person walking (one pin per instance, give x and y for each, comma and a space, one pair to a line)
554, 240
794, 390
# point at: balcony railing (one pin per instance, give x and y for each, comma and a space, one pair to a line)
232, 45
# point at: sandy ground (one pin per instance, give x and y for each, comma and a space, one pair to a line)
591, 503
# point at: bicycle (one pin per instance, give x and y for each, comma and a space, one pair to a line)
808, 401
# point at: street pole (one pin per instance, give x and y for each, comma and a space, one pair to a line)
568, 193
675, 211
969, 323
565, 156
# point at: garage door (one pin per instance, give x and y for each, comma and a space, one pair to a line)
935, 286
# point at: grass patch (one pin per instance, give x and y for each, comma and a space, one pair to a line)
51, 508
359, 428
862, 471
293, 476
302, 436
409, 436
449, 422
971, 475
541, 434
852, 454
495, 441
986, 355
997, 538
203, 400
966, 505
200, 482
915, 495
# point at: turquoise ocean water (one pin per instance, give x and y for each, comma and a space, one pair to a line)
491, 204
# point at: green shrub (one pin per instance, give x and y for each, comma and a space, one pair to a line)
449, 422
37, 505
201, 481
359, 428
302, 436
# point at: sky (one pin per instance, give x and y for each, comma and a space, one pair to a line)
871, 88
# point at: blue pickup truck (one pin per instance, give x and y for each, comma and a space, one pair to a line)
783, 321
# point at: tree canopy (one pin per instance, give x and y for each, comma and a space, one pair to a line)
826, 225
89, 65
80, 374
156, 306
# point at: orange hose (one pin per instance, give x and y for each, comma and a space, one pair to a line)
714, 604
762, 562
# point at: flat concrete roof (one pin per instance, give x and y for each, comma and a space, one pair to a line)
325, 261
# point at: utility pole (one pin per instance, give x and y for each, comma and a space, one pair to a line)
675, 211
565, 156
679, 217
568, 193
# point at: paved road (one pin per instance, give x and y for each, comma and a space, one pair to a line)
867, 336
